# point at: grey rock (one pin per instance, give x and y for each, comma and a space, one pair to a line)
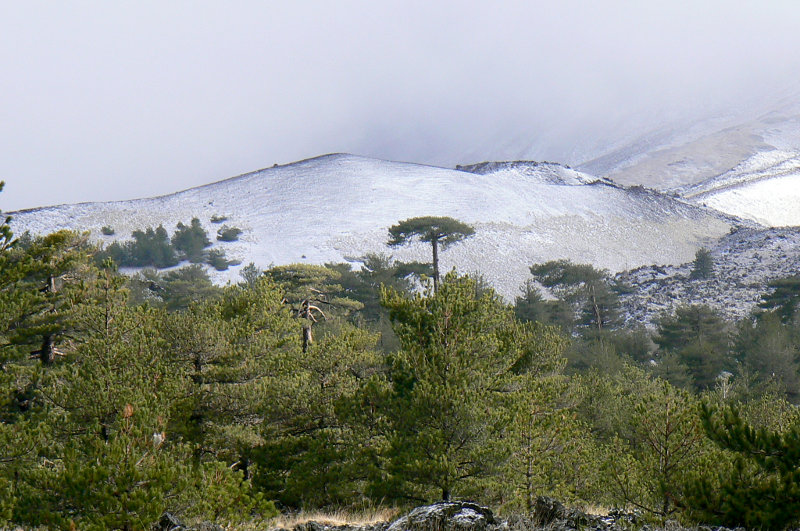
446, 516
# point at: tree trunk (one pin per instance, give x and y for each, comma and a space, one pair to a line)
307, 337
445, 494
435, 244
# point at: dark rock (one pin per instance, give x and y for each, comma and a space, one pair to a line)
446, 516
169, 522
552, 513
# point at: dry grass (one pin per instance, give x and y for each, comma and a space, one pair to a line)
337, 518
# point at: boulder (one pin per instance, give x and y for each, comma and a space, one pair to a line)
446, 516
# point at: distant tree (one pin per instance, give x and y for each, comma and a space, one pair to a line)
438, 231
191, 240
149, 248
703, 265
784, 298
532, 306
590, 292
175, 290
216, 258
768, 348
699, 336
313, 292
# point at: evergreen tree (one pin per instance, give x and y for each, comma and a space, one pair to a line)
589, 291
454, 386
761, 490
438, 231
699, 337
703, 265
653, 437
313, 293
768, 349
784, 297
532, 306
313, 454
191, 241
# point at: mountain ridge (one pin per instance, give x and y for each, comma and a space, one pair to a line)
337, 207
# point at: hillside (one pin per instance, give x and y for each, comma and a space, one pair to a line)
764, 188
745, 261
337, 208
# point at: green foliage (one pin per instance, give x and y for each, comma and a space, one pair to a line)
653, 435
703, 265
532, 306
174, 290
218, 218
784, 297
107, 230
191, 241
770, 350
149, 248
216, 259
228, 234
461, 371
250, 275
438, 231
229, 346
698, 336
314, 294
590, 293
761, 489
312, 454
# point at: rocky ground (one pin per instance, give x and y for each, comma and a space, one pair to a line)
745, 262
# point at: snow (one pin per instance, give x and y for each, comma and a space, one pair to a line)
338, 207
764, 188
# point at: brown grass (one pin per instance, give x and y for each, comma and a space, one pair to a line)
336, 518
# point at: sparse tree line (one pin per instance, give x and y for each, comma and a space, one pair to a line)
153, 247
323, 386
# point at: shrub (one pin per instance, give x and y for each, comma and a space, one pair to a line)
191, 240
217, 260
107, 231
228, 234
216, 218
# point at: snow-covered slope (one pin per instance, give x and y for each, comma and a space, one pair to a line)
764, 188
338, 207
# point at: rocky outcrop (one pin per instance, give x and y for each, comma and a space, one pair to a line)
466, 516
446, 516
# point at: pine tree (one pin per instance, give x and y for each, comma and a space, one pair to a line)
589, 291
438, 231
784, 297
703, 265
454, 387
699, 338
191, 240
761, 490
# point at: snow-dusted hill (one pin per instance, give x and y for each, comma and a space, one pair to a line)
764, 188
338, 207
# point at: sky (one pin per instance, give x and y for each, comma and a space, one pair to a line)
118, 100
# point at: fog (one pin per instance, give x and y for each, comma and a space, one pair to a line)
117, 100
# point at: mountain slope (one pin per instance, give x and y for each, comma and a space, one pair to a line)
337, 207
764, 188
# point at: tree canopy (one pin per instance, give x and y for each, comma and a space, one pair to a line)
438, 231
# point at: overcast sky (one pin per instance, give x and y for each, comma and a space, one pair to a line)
115, 100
